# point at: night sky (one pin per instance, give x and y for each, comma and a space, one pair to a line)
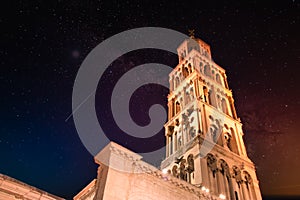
43, 44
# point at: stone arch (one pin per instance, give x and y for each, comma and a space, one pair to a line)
212, 169
224, 106
212, 73
211, 98
201, 67
224, 168
190, 167
190, 68
224, 180
248, 187
237, 181
182, 170
185, 71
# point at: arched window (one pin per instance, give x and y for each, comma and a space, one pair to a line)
177, 81
207, 70
248, 191
233, 141
173, 108
185, 72
232, 109
224, 106
181, 56
218, 79
237, 176
190, 68
205, 94
177, 107
201, 67
211, 98
224, 182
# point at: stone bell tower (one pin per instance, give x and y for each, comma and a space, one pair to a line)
204, 136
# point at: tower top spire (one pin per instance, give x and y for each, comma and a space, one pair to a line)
192, 33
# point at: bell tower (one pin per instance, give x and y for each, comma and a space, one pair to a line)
204, 136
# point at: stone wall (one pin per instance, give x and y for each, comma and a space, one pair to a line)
122, 175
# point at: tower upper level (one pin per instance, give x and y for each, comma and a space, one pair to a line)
193, 44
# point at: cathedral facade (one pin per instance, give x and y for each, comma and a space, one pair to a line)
205, 153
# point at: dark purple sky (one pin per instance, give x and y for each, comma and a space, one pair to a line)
44, 43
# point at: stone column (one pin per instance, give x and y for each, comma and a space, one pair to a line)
204, 117
231, 103
171, 81
242, 148
167, 146
220, 183
174, 142
196, 88
170, 145
170, 109
204, 168
199, 118
231, 189
245, 191
225, 80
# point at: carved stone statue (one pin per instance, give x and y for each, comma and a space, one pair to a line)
192, 132
227, 137
190, 111
237, 174
247, 178
182, 172
175, 171
212, 163
190, 161
225, 168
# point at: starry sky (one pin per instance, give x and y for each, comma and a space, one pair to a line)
43, 44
